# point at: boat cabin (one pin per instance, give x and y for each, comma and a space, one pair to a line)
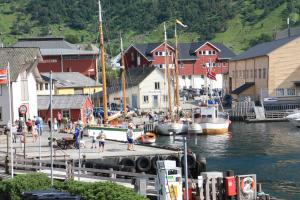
207, 111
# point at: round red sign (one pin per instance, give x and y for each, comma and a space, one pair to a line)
23, 109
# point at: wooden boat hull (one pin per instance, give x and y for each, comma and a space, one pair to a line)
211, 128
113, 133
149, 138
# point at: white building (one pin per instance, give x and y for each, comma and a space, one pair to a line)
145, 89
24, 74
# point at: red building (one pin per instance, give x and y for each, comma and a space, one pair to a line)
73, 107
194, 58
62, 56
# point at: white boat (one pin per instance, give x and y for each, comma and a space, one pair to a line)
195, 128
170, 128
212, 122
114, 133
294, 119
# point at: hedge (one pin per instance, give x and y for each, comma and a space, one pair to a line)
11, 189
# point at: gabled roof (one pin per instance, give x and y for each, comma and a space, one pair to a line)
70, 80
243, 87
134, 76
62, 101
186, 50
264, 49
53, 46
20, 59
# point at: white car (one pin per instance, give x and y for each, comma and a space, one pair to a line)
270, 99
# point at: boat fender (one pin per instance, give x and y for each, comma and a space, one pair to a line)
191, 161
143, 164
175, 158
153, 162
248, 185
127, 162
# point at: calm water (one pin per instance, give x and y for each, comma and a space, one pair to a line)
270, 150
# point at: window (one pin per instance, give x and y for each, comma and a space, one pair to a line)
214, 52
279, 92
190, 77
132, 56
291, 91
156, 53
46, 86
251, 73
165, 98
255, 73
209, 52
241, 74
259, 73
156, 86
146, 99
138, 60
66, 113
202, 76
41, 86
183, 77
0, 113
24, 87
264, 72
78, 91
247, 73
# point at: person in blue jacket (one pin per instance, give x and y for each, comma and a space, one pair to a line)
77, 136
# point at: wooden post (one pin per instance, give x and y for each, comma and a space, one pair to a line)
112, 174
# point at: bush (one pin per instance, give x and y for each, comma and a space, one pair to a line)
11, 189
99, 191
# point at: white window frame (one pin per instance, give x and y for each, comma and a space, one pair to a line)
157, 85
66, 110
146, 99
46, 86
291, 92
264, 73
279, 92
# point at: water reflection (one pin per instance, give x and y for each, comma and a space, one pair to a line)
270, 150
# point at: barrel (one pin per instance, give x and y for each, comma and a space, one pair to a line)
143, 164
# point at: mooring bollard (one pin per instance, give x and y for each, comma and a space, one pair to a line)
140, 186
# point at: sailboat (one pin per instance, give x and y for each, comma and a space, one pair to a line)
171, 127
208, 116
117, 131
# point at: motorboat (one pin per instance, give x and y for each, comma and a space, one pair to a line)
195, 128
211, 120
147, 138
294, 119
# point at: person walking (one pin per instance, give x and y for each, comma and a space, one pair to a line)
55, 128
59, 119
130, 137
77, 136
102, 138
34, 133
94, 138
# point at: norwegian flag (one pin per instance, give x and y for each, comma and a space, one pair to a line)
211, 75
3, 76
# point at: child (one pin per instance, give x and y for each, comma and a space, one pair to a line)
94, 141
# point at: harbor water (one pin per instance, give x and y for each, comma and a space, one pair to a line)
270, 150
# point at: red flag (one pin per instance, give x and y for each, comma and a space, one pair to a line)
211, 75
3, 76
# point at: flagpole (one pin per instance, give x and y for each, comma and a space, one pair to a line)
51, 127
10, 128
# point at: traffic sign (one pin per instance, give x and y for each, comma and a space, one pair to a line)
23, 109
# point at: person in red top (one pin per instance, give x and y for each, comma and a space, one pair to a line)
29, 125
59, 118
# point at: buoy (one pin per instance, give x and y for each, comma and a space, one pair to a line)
143, 164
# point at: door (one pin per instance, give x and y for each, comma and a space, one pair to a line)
155, 101
134, 101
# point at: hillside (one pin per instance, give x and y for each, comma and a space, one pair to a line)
237, 23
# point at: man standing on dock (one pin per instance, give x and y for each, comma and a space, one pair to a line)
130, 137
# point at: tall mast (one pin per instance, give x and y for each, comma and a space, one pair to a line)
123, 71
177, 103
103, 67
168, 71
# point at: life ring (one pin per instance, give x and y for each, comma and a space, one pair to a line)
248, 185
